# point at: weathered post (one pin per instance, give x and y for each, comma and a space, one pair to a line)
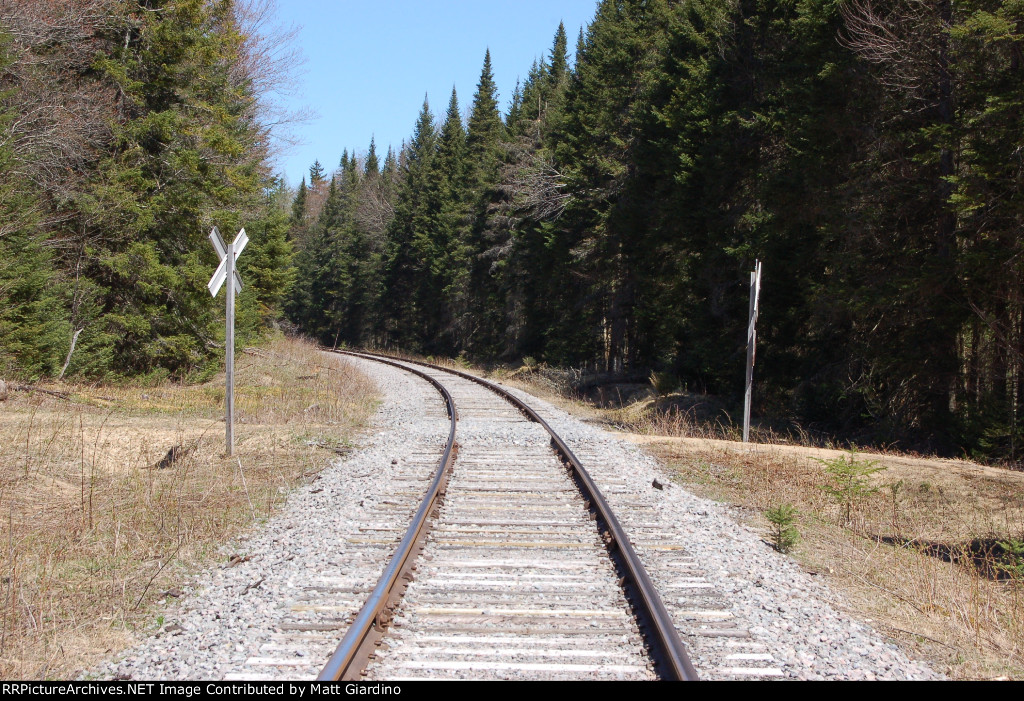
227, 271
755, 293
229, 355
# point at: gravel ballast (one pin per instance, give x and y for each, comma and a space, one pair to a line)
244, 621
786, 611
233, 621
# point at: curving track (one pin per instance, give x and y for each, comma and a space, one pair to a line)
524, 573
513, 575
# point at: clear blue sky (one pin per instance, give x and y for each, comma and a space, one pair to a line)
368, 64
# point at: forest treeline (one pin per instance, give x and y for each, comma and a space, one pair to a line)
870, 154
129, 128
607, 214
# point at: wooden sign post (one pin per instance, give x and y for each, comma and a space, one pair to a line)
228, 271
755, 295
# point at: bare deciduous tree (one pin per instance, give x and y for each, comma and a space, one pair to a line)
60, 119
270, 62
908, 39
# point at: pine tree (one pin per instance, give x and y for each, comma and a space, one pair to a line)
559, 62
408, 239
299, 205
268, 264
316, 173
34, 325
608, 143
486, 130
323, 269
389, 172
558, 72
451, 259
372, 164
475, 299
514, 118
186, 153
533, 97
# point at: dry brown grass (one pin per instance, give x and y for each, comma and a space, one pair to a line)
92, 531
892, 560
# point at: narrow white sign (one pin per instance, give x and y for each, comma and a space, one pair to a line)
222, 270
228, 255
755, 302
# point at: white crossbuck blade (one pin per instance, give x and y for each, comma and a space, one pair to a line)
222, 252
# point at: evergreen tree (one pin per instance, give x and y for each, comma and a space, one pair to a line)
558, 72
533, 96
185, 155
451, 259
267, 265
858, 149
316, 173
298, 217
609, 145
406, 305
372, 164
389, 173
514, 119
485, 131
34, 326
475, 299
559, 62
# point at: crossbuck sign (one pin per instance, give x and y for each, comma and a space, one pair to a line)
227, 271
755, 301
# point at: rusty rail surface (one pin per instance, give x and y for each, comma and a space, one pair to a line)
353, 653
668, 646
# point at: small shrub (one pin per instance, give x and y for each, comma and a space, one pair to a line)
848, 481
783, 533
530, 363
1013, 566
663, 383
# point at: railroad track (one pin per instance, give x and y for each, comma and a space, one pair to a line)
513, 575
514, 565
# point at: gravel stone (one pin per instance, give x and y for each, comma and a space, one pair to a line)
744, 610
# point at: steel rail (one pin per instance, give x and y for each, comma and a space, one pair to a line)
666, 637
354, 650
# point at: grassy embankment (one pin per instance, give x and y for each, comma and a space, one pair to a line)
98, 524
918, 558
